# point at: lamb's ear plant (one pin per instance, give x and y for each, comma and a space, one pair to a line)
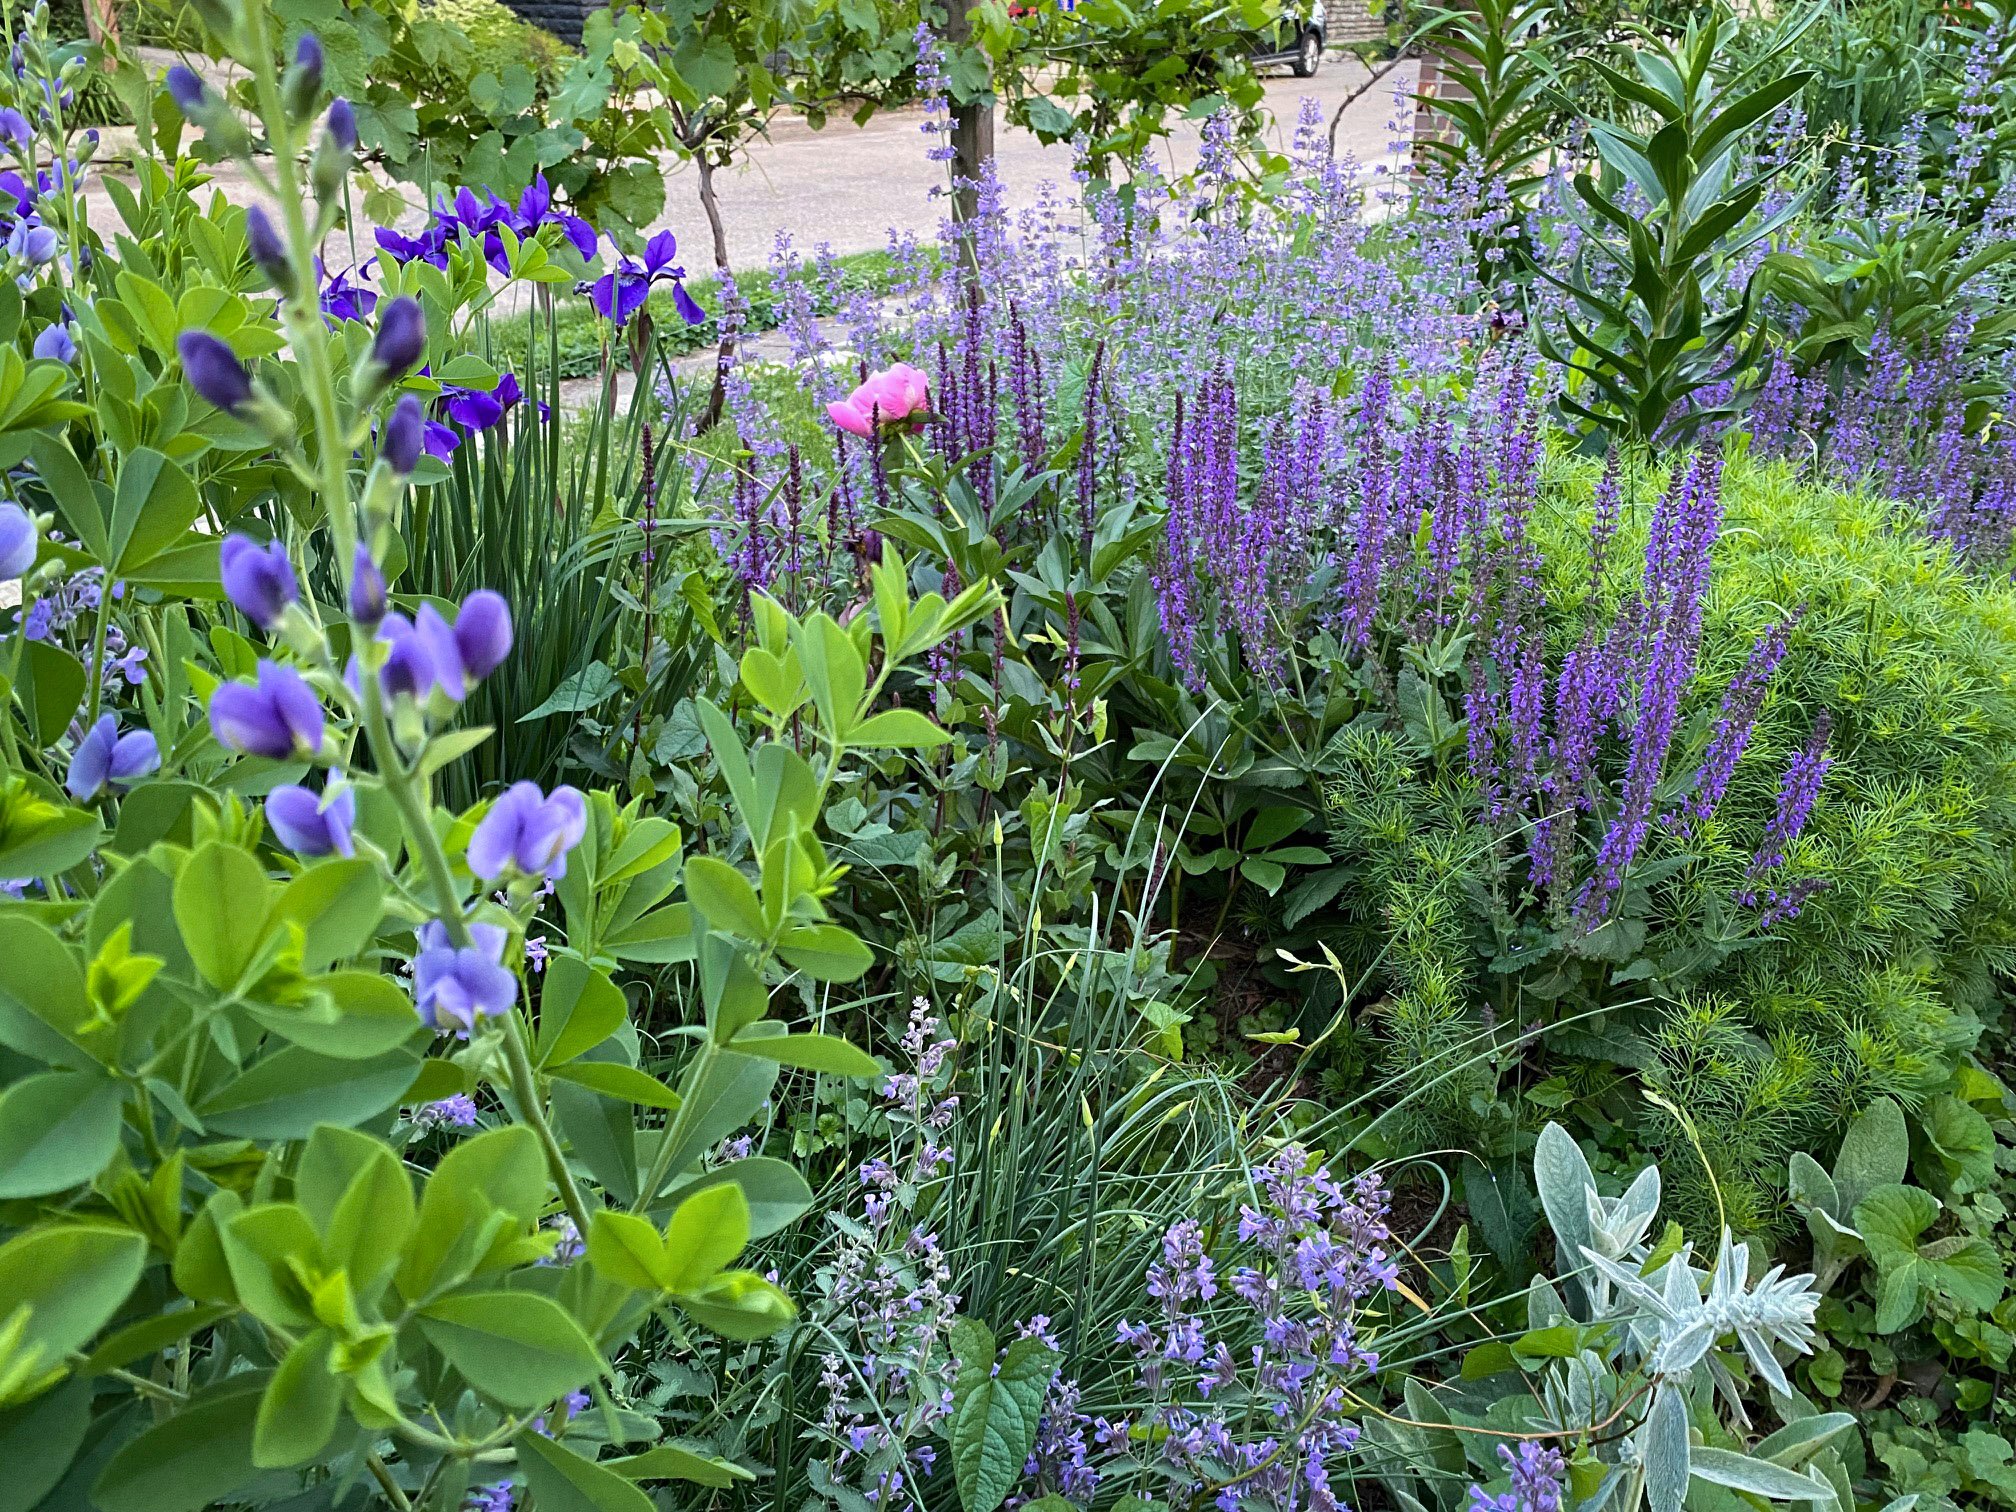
225, 1263
1630, 1366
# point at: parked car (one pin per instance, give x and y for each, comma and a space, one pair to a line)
1297, 38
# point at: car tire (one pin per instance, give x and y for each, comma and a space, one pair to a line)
1308, 54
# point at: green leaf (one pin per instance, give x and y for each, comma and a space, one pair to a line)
1668, 1458
51, 687
562, 1481
285, 1095
1959, 1143
221, 906
725, 897
1875, 1152
72, 1279
153, 505
152, 1335
995, 1410
740, 1304
301, 1407
518, 1348
1724, 1467
814, 1052
193, 1460
776, 1193
708, 1230
1891, 1218
57, 1130
498, 1172
351, 1015
614, 1079
37, 1442
897, 730
578, 692
339, 906
578, 1010
826, 952
670, 1462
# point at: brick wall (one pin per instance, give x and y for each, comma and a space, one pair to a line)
1355, 20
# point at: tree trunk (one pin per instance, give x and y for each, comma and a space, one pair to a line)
725, 353
972, 127
101, 24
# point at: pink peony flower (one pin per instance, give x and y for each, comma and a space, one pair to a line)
896, 397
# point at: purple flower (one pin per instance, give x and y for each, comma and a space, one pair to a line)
454, 987
15, 131
190, 94
269, 252
305, 81
18, 541
483, 633
342, 125
345, 298
367, 588
457, 1111
259, 580
528, 832
105, 756
278, 716
214, 371
33, 245
620, 293
402, 336
404, 435
312, 825
1798, 790
55, 341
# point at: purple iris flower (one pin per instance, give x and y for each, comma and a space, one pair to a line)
105, 756
454, 988
475, 409
621, 292
345, 298
311, 824
535, 209
529, 832
277, 716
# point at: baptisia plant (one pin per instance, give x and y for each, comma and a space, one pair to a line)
256, 936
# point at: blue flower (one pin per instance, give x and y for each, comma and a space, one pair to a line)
311, 824
455, 987
105, 756
55, 341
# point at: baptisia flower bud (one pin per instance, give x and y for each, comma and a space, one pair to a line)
301, 85
367, 589
214, 371
335, 153
269, 252
404, 437
397, 347
208, 112
259, 580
